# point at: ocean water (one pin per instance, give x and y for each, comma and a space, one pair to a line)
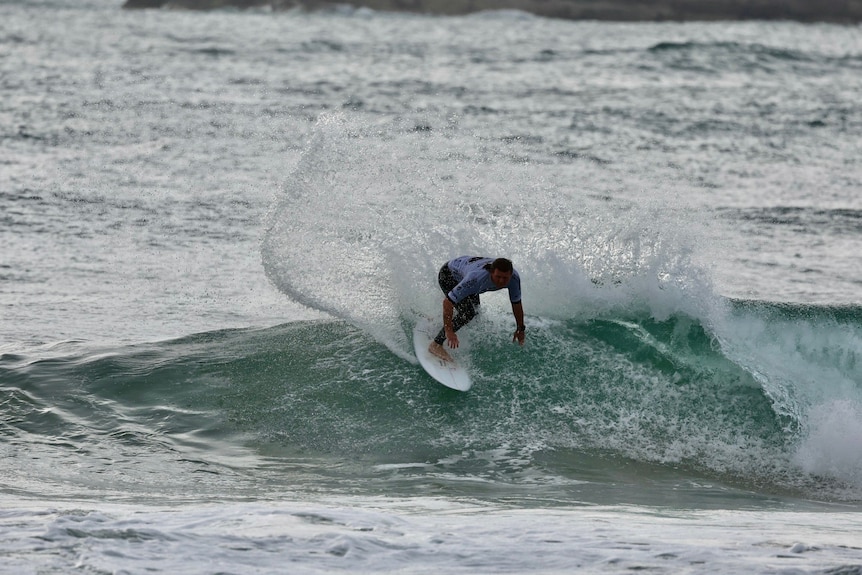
218, 229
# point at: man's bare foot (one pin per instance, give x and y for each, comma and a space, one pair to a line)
438, 350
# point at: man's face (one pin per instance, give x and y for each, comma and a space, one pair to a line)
500, 279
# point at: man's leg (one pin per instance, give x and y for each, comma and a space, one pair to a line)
466, 311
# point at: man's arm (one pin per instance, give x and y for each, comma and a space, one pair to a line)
448, 326
518, 311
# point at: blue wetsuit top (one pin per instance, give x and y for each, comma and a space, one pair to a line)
473, 278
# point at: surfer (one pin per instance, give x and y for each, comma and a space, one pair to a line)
462, 280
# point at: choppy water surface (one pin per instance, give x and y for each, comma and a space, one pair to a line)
218, 229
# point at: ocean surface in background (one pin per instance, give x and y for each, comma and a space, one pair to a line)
219, 228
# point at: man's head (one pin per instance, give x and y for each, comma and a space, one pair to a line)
501, 272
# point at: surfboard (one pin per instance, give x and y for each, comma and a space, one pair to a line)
449, 373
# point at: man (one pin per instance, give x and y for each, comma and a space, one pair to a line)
462, 280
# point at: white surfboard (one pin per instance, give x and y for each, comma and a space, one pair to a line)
449, 373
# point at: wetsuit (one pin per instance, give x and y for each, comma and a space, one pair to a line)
462, 280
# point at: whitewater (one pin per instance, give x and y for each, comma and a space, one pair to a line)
219, 228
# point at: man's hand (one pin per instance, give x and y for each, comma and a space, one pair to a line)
452, 338
519, 337
518, 311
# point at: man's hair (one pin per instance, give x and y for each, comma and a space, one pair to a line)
502, 264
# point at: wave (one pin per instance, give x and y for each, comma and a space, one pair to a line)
731, 47
632, 350
774, 403
807, 361
803, 219
725, 57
